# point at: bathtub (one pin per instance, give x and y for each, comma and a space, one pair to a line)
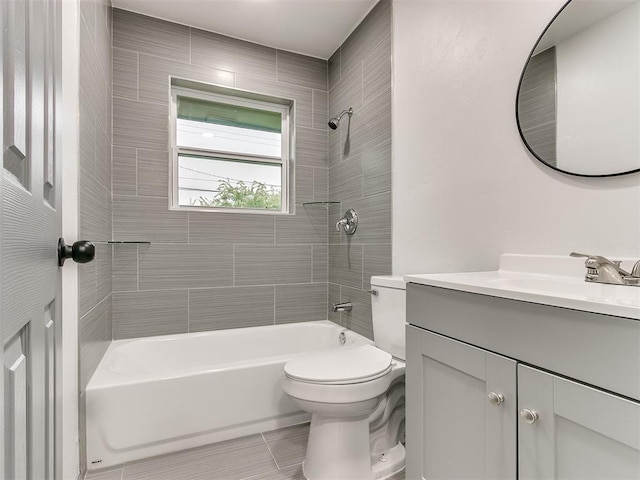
156, 395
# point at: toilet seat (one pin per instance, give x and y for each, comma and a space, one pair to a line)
340, 366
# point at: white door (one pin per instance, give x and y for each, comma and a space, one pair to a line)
30, 226
462, 404
573, 432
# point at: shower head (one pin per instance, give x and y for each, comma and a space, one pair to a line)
335, 121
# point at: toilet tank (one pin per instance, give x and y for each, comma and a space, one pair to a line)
388, 312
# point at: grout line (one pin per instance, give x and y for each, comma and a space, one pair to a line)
362, 268
145, 102
136, 174
137, 78
96, 305
129, 195
313, 109
270, 452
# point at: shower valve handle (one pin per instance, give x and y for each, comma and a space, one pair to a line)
349, 223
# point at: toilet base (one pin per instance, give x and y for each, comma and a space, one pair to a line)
338, 449
389, 462
383, 466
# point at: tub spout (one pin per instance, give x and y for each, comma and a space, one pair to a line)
342, 307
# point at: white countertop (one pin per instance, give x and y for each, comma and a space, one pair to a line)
544, 279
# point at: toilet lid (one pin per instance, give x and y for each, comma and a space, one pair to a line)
340, 365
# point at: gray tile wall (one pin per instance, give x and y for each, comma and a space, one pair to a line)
95, 203
94, 282
360, 165
209, 271
537, 105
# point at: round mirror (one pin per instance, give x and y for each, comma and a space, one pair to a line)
578, 103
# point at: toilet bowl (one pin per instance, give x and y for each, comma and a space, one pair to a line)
356, 397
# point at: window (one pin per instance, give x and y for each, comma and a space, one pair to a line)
229, 153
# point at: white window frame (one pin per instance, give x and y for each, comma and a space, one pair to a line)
176, 150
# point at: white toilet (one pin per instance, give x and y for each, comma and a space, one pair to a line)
356, 396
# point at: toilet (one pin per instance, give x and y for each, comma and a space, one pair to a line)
356, 396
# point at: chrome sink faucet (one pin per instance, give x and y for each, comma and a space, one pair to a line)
603, 270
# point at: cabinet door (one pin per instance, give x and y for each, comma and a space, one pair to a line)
579, 433
455, 431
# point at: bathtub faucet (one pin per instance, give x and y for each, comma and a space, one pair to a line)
342, 307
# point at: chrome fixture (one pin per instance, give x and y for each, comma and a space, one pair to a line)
342, 307
349, 222
495, 399
373, 292
342, 338
603, 270
335, 121
529, 416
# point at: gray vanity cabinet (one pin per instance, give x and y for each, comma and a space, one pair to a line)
579, 433
482, 403
461, 407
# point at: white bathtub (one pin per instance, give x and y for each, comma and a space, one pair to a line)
156, 395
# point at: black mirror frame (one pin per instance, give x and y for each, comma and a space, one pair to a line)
524, 140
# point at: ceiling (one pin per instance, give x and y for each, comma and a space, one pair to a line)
310, 27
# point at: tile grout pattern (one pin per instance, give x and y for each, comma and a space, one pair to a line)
273, 455
360, 165
208, 271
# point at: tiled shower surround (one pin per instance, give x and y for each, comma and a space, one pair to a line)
94, 279
208, 271
360, 165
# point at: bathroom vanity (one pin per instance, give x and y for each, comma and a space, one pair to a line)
527, 372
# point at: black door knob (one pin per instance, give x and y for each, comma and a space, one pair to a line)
81, 251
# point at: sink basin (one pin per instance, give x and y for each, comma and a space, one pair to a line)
520, 278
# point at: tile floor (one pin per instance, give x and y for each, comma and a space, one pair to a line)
275, 455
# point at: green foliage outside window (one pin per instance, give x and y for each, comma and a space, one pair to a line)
255, 195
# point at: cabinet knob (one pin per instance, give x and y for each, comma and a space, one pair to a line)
529, 416
495, 399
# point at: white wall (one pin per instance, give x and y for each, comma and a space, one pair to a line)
597, 91
465, 188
